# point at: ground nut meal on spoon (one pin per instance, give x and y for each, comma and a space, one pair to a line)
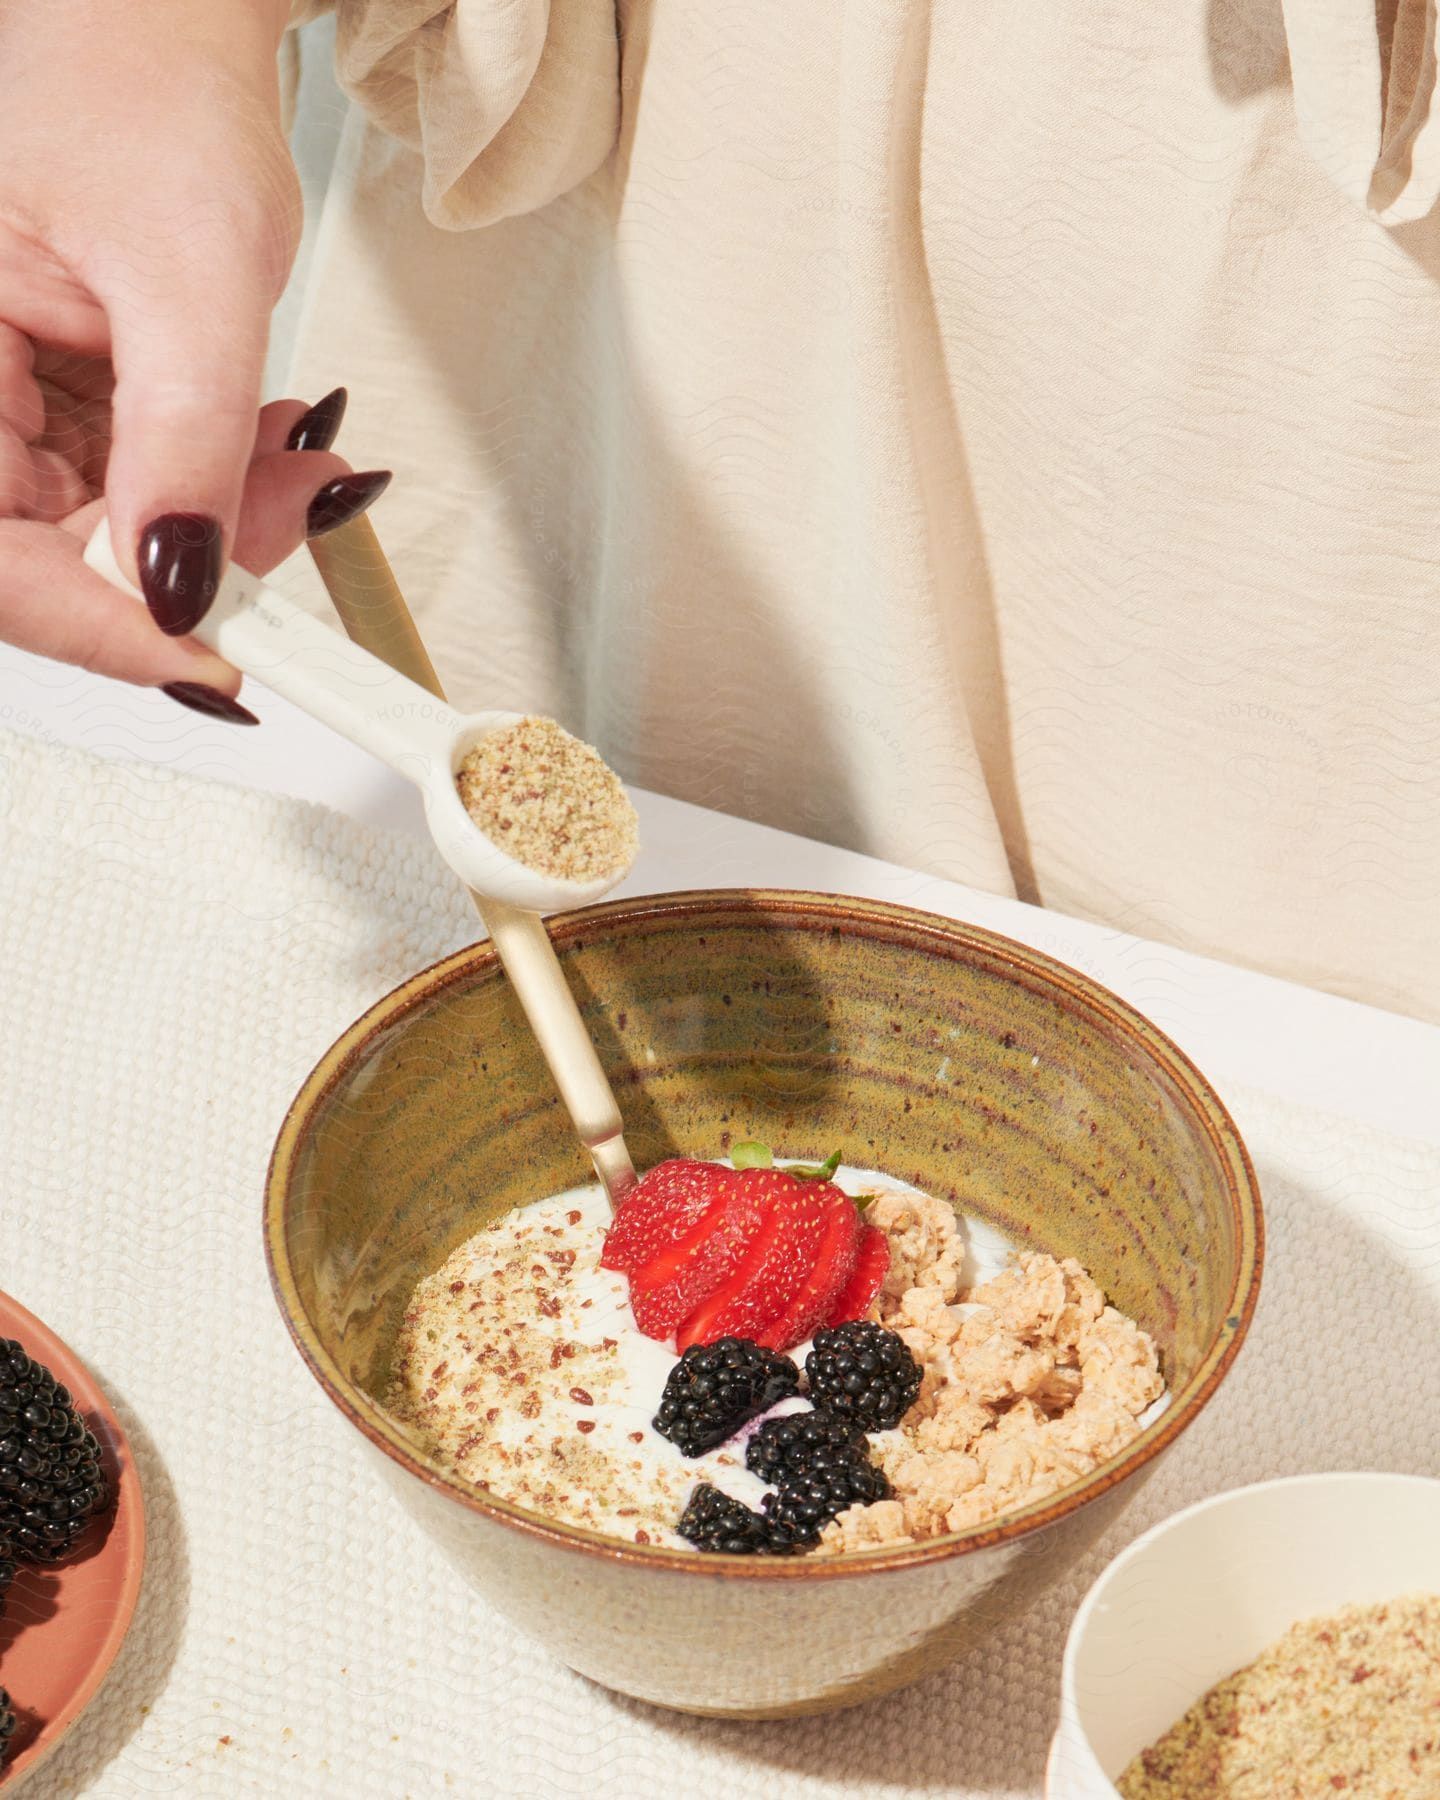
766, 1359
549, 800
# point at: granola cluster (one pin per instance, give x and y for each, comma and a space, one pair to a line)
1030, 1382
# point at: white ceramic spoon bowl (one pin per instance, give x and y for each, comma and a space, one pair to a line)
336, 681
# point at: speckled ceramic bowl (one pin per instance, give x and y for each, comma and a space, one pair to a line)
932, 1051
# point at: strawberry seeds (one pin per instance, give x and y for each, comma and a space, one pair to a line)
755, 1251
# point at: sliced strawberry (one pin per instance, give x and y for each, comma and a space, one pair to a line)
662, 1210
872, 1265
661, 1291
833, 1269
753, 1251
671, 1285
775, 1267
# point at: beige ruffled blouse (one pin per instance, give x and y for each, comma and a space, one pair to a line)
1005, 439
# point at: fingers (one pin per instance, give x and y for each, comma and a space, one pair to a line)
36, 483
54, 428
44, 300
296, 494
51, 603
37, 480
73, 392
75, 372
279, 491
276, 422
22, 406
78, 430
292, 425
319, 426
189, 314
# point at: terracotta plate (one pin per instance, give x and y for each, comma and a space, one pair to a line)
62, 1626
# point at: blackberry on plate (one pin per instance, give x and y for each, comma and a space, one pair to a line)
51, 1482
801, 1509
716, 1521
7, 1725
715, 1388
864, 1373
804, 1443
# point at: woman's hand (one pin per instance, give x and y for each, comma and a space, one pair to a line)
149, 212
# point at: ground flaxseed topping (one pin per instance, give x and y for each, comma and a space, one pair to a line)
549, 800
498, 1373
1348, 1704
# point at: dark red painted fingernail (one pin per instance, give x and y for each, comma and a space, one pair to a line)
317, 429
209, 701
344, 499
180, 557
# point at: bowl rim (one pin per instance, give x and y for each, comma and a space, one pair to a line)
807, 910
1070, 1732
48, 1347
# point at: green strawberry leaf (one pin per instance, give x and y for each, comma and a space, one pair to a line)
751, 1155
814, 1171
862, 1201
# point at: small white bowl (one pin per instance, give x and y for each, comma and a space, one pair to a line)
1204, 1592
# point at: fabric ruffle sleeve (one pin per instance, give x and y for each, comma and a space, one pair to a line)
509, 102
1365, 100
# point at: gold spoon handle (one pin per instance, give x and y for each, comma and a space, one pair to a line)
367, 597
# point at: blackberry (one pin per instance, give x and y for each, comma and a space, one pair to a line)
864, 1373
51, 1482
7, 1725
715, 1388
714, 1521
799, 1511
782, 1450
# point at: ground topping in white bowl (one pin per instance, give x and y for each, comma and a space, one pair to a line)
1348, 1704
519, 1365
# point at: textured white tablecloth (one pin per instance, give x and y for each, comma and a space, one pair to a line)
176, 955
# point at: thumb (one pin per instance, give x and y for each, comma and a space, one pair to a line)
188, 332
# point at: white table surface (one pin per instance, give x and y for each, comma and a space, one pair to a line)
1311, 1048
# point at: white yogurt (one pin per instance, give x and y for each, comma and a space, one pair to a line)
622, 1476
646, 1363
